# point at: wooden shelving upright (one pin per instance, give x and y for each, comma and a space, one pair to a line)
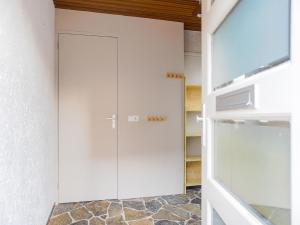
192, 162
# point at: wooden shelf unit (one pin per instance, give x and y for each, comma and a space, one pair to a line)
193, 158
193, 98
193, 173
192, 161
193, 135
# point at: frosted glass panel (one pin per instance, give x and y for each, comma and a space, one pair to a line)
254, 36
217, 219
252, 161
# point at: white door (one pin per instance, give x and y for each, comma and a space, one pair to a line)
87, 117
251, 81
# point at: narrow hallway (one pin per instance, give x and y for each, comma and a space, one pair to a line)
162, 210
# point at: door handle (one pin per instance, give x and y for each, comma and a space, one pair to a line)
204, 126
199, 119
113, 120
249, 103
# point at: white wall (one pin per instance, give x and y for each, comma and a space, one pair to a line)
28, 112
192, 41
150, 155
192, 57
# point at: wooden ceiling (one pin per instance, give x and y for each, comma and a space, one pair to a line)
174, 10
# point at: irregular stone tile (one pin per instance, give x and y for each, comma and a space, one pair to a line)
176, 199
193, 222
85, 202
196, 201
114, 200
131, 214
150, 198
162, 201
198, 194
166, 215
165, 222
82, 222
115, 209
195, 217
178, 211
193, 208
138, 205
80, 214
142, 222
118, 220
149, 206
63, 219
191, 195
65, 207
153, 205
98, 208
96, 221
135, 199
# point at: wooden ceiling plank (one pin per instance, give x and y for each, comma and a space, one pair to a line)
130, 11
129, 6
180, 3
126, 13
173, 10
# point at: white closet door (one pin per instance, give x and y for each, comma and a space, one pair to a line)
87, 130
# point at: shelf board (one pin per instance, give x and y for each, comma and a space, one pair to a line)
193, 85
193, 135
193, 159
192, 184
194, 110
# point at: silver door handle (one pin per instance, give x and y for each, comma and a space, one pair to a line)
199, 119
113, 120
113, 117
249, 103
204, 126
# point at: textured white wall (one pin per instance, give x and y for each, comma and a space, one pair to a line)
28, 112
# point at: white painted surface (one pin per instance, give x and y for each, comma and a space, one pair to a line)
192, 41
150, 154
192, 57
88, 154
193, 68
274, 103
28, 112
294, 98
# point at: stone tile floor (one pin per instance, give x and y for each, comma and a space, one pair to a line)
162, 210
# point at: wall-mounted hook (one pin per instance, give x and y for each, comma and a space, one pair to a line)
156, 118
171, 75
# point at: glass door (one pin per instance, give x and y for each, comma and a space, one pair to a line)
250, 113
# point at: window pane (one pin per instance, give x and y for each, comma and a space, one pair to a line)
252, 160
217, 219
254, 35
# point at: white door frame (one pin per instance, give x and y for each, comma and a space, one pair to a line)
276, 102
